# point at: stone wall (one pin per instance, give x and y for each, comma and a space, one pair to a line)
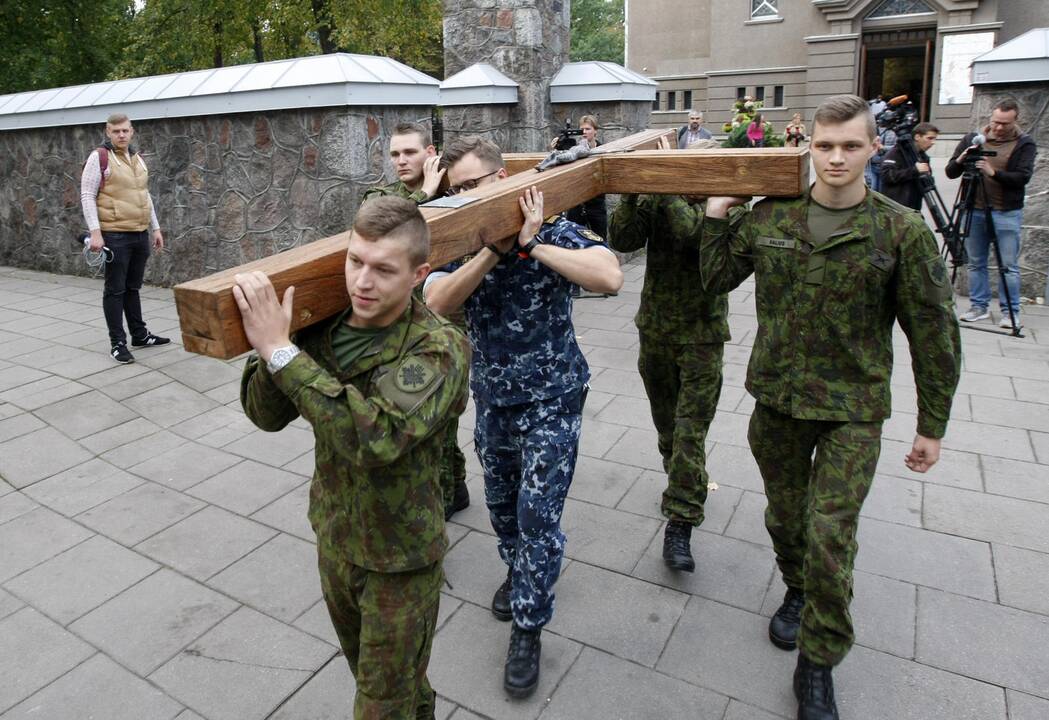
527, 40
489, 121
227, 189
1033, 99
617, 119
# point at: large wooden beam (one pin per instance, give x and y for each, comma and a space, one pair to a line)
211, 322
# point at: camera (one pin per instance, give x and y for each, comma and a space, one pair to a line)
564, 138
900, 118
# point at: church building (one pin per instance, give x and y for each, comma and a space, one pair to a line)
793, 53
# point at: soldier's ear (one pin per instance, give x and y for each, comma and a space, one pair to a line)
420, 273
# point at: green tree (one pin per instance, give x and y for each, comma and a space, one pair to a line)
597, 30
58, 43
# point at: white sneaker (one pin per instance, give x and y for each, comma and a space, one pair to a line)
975, 314
1005, 322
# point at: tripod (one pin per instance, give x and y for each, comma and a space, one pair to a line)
973, 187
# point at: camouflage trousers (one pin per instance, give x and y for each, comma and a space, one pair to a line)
683, 383
817, 474
528, 453
385, 623
453, 463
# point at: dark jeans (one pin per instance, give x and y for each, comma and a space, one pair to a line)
123, 281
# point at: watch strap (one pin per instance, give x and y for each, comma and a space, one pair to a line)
281, 357
526, 251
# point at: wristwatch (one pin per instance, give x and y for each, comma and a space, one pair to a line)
281, 357
527, 249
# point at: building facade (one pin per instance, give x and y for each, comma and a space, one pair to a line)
793, 53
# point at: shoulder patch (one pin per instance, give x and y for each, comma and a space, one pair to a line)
591, 235
937, 281
410, 383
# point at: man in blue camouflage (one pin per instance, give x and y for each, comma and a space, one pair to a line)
834, 269
529, 380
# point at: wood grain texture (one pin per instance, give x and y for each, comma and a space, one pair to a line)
209, 318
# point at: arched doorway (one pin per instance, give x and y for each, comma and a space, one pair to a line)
898, 62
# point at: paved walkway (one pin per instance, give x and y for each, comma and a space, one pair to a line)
156, 562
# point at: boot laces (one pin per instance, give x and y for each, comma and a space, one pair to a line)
820, 685
793, 602
677, 539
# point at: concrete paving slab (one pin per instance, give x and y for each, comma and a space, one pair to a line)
97, 689
615, 382
328, 694
1040, 441
118, 435
1011, 413
983, 640
742, 711
636, 447
184, 466
604, 537
9, 604
37, 455
1035, 391
136, 385
147, 624
169, 404
15, 504
201, 373
132, 453
219, 420
601, 482
243, 668
629, 411
288, 513
34, 651
34, 537
98, 568
748, 521
137, 514
894, 499
597, 438
955, 468
474, 569
82, 487
870, 684
43, 392
628, 618
317, 622
927, 558
279, 578
17, 375
601, 686
1026, 707
987, 517
727, 570
727, 650
273, 448
305, 464
1023, 578
246, 487
646, 497
85, 414
466, 665
206, 542
735, 466
1027, 481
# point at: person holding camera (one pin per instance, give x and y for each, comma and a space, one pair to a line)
1004, 177
899, 178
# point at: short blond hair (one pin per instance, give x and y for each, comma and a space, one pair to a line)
117, 119
589, 120
485, 150
390, 216
838, 109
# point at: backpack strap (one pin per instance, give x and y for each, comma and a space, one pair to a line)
103, 165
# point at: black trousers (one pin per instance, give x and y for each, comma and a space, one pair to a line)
124, 276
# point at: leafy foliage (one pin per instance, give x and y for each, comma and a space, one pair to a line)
743, 112
598, 30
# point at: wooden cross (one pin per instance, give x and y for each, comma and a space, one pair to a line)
210, 320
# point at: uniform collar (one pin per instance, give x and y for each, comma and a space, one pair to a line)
795, 223
386, 346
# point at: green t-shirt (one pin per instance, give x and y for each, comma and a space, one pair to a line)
349, 343
825, 221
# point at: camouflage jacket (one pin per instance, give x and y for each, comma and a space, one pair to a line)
673, 305
399, 189
520, 324
375, 500
825, 314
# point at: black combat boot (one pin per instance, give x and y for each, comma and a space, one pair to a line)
814, 689
783, 628
521, 674
677, 553
501, 599
460, 499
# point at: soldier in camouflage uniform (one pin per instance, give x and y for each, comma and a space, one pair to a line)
682, 332
416, 161
529, 383
834, 269
378, 382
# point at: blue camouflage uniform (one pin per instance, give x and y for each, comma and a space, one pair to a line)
528, 378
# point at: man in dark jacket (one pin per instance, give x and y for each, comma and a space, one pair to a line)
899, 178
1005, 176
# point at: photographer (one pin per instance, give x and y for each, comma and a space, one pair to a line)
1005, 176
593, 213
899, 178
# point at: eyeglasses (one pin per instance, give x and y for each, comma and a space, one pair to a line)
469, 184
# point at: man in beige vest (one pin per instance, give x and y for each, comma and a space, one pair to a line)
119, 213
